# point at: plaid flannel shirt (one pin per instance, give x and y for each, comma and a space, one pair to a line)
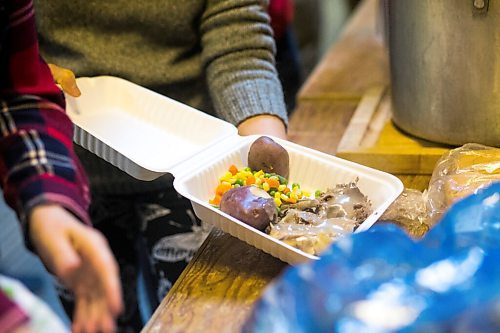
37, 162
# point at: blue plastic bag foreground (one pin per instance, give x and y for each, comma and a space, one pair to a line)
382, 281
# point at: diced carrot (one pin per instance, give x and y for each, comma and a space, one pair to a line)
250, 180
233, 169
286, 190
215, 200
292, 200
222, 188
273, 183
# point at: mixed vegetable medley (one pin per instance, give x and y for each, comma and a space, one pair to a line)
277, 186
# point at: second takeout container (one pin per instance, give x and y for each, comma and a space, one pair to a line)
147, 135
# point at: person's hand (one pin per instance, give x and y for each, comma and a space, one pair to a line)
264, 125
80, 257
65, 79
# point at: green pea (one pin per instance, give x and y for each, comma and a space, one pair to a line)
239, 182
317, 193
282, 180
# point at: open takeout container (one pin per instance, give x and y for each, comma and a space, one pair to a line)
147, 135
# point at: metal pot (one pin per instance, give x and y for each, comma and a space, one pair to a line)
445, 69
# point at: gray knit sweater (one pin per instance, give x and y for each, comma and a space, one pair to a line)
215, 55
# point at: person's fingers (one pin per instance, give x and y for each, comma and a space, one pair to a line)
100, 316
107, 323
264, 125
66, 79
79, 315
97, 252
92, 314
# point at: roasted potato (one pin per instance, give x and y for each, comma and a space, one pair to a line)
251, 205
267, 155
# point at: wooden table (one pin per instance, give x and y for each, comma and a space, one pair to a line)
219, 287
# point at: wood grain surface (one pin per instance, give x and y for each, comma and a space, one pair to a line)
372, 139
221, 284
218, 289
356, 63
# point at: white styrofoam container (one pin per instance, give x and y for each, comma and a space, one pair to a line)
146, 135
141, 132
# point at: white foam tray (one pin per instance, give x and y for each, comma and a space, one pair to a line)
146, 135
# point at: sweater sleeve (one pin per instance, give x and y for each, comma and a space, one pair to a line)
37, 162
238, 52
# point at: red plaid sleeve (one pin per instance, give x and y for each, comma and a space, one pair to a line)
37, 162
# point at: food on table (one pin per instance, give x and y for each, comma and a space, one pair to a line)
251, 205
312, 224
267, 155
305, 222
260, 196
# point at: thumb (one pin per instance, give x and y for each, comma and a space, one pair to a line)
68, 83
66, 79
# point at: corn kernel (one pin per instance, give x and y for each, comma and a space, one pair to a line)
293, 195
277, 195
281, 188
266, 186
283, 197
277, 201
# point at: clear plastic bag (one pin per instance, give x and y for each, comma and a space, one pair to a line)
410, 212
460, 172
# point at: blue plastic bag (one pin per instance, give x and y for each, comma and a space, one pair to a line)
382, 281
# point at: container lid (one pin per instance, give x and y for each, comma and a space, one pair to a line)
141, 132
